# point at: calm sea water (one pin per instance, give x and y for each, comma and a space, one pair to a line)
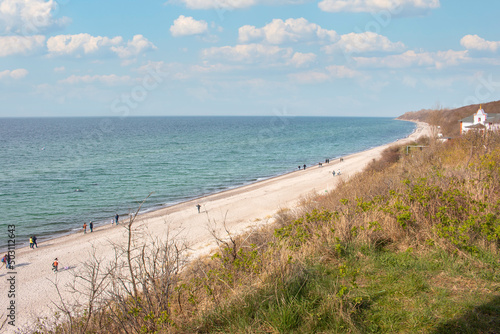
56, 173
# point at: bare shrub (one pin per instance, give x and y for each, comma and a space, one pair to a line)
444, 196
129, 293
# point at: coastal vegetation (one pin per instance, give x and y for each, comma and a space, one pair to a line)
412, 244
449, 119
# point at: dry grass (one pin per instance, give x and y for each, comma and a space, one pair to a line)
408, 226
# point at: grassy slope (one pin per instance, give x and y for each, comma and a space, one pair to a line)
412, 248
410, 245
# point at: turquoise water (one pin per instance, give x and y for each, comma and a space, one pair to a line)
56, 173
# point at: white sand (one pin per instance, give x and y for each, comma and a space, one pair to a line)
241, 208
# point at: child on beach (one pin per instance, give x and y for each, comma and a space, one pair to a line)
84, 227
31, 242
55, 264
7, 260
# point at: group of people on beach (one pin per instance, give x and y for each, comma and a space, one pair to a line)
91, 224
7, 259
320, 164
33, 242
91, 227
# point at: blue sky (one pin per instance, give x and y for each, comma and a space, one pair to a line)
246, 57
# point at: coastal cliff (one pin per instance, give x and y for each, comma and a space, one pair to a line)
409, 245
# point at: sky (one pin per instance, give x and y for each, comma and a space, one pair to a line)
68, 58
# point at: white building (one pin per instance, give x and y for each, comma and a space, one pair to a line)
480, 121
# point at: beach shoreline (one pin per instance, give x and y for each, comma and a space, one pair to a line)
103, 222
240, 208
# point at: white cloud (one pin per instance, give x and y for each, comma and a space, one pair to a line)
233, 4
59, 69
395, 7
110, 80
19, 45
302, 59
14, 74
137, 45
28, 17
474, 42
290, 30
248, 53
364, 42
85, 44
219, 4
413, 59
79, 44
184, 26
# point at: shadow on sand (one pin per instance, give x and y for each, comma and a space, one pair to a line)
23, 264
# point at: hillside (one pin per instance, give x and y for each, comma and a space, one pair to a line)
448, 119
411, 245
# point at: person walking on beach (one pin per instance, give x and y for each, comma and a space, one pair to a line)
34, 241
338, 172
116, 219
55, 264
299, 167
31, 242
333, 172
91, 226
199, 207
84, 227
8, 261
304, 166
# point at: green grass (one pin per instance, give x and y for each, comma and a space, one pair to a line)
411, 246
393, 292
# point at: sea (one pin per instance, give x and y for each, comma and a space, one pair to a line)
57, 173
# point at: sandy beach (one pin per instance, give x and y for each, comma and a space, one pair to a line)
241, 208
